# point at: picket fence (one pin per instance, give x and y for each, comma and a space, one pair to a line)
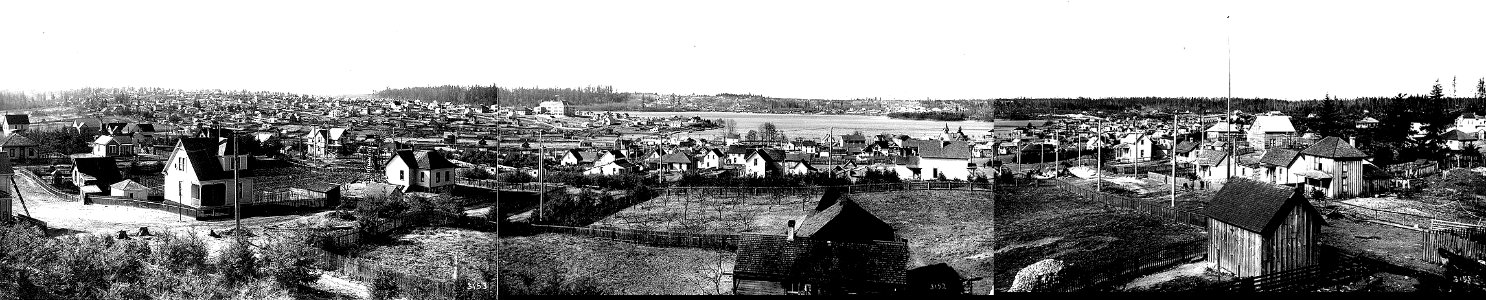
1143, 206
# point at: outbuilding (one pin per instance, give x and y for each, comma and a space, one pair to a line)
1258, 228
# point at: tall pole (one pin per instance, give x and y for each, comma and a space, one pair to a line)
1173, 160
1099, 158
541, 174
236, 189
1232, 142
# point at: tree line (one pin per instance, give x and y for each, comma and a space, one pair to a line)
457, 94
590, 95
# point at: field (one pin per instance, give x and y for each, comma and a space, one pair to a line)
433, 252
613, 267
1035, 223
1156, 191
713, 214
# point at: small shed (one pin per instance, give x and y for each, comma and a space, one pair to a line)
331, 192
129, 188
1258, 228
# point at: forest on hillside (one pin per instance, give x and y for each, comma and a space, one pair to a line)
590, 95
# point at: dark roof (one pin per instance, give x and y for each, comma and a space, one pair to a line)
845, 220
940, 149
101, 168
17, 119
429, 159
1212, 158
770, 155
772, 257
736, 149
16, 140
1279, 157
853, 137
1333, 147
322, 187
1185, 146
1256, 206
141, 127
797, 156
677, 157
1458, 135
1371, 172
207, 166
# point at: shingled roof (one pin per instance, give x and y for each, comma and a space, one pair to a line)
677, 157
940, 149
1256, 206
422, 160
1279, 157
845, 220
1457, 135
100, 168
1212, 158
17, 119
774, 258
1185, 146
1333, 147
16, 140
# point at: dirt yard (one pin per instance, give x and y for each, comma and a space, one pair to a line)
615, 267
713, 214
953, 227
1035, 223
1155, 191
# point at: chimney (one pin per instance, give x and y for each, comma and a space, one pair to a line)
790, 233
1352, 141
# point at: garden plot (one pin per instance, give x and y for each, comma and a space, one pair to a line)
531, 262
433, 252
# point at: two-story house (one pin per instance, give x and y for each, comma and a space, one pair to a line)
15, 124
1332, 166
1135, 147
199, 173
325, 142
113, 145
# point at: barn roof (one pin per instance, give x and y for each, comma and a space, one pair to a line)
773, 257
1333, 147
845, 218
1255, 206
100, 168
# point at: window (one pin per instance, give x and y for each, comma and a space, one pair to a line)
1318, 166
180, 163
400, 174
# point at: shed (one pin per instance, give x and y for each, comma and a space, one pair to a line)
129, 188
330, 192
1257, 228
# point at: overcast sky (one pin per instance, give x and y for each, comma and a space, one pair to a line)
806, 49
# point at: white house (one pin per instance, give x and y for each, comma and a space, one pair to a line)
712, 159
934, 159
1269, 129
199, 173
763, 163
420, 171
678, 161
1135, 147
1332, 166
130, 189
1470, 122
325, 142
113, 145
1214, 166
1457, 140
555, 108
1276, 164
15, 124
616, 167
798, 168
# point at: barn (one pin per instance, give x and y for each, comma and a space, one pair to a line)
839, 249
1257, 228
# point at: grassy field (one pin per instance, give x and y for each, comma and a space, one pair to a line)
432, 252
614, 267
1035, 223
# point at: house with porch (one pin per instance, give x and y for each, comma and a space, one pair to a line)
1332, 166
19, 148
113, 145
199, 173
325, 142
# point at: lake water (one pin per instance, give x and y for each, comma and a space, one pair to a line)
1005, 125
818, 126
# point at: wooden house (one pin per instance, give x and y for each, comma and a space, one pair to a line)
113, 145
1258, 228
15, 124
420, 171
199, 172
129, 189
94, 174
839, 250
19, 148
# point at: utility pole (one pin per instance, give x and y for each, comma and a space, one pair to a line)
1232, 143
1173, 159
541, 175
236, 189
1099, 158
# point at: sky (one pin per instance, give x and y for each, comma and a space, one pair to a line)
795, 49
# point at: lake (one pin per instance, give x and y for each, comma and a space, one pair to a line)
818, 126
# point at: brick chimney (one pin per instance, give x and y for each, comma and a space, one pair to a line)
790, 231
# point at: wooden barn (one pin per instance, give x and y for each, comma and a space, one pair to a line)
1257, 228
838, 250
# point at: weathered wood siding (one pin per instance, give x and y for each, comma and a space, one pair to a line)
1293, 244
1234, 249
757, 287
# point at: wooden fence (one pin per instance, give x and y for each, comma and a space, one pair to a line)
28, 175
1335, 267
727, 242
164, 206
1469, 242
367, 272
1400, 218
496, 185
1126, 269
211, 212
1143, 206
855, 188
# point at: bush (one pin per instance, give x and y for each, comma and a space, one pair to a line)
237, 264
383, 286
291, 260
179, 253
